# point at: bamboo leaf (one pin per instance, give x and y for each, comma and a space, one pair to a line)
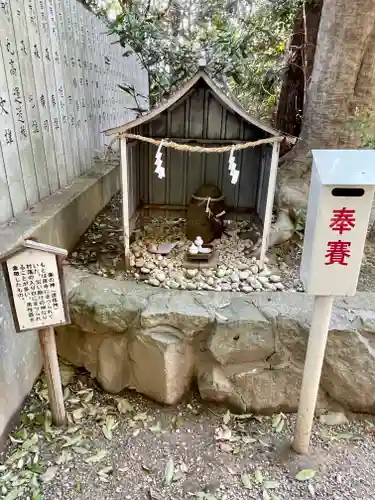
124, 406
305, 474
246, 481
276, 419
226, 418
280, 425
30, 442
16, 493
96, 458
258, 476
271, 485
49, 474
169, 472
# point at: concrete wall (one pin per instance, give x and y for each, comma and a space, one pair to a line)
59, 76
59, 220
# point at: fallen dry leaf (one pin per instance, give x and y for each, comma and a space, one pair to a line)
305, 474
169, 471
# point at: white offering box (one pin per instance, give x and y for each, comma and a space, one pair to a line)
341, 195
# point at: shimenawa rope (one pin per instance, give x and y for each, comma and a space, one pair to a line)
201, 149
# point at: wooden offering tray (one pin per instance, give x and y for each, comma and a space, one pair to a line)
201, 256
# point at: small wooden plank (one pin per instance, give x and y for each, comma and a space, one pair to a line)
58, 66
25, 58
70, 114
23, 127
78, 87
43, 51
42, 96
12, 191
83, 58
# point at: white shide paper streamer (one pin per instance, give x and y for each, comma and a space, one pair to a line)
233, 172
159, 170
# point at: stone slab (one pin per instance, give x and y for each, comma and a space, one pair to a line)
211, 263
244, 351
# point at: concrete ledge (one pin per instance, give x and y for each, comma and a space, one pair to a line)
63, 217
59, 220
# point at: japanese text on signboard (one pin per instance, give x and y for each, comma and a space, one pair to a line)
36, 289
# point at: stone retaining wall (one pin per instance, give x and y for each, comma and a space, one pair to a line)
245, 351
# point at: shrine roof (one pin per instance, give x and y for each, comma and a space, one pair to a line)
225, 101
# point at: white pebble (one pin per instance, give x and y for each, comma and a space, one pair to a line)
234, 277
269, 286
191, 273
279, 286
160, 276
226, 287
275, 279
220, 273
254, 269
263, 279
144, 270
247, 289
150, 265
189, 286
210, 281
255, 284
153, 282
207, 272
242, 267
244, 275
139, 263
172, 284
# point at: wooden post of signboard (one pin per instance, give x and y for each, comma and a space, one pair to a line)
52, 373
34, 279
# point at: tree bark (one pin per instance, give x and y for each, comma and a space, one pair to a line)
299, 61
341, 90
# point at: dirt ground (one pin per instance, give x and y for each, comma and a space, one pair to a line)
100, 250
131, 449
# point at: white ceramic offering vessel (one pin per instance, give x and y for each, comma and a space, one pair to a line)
198, 242
193, 249
205, 250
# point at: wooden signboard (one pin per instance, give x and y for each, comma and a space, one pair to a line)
37, 297
35, 285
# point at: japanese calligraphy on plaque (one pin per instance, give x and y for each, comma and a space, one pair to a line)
341, 194
35, 287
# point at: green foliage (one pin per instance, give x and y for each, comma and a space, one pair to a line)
243, 43
363, 124
258, 79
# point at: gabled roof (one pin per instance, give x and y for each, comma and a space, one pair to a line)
220, 95
34, 245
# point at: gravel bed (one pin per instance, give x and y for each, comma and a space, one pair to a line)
126, 447
101, 251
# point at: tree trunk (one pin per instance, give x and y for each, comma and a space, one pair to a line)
300, 61
341, 92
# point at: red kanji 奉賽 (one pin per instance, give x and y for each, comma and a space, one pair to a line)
339, 251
